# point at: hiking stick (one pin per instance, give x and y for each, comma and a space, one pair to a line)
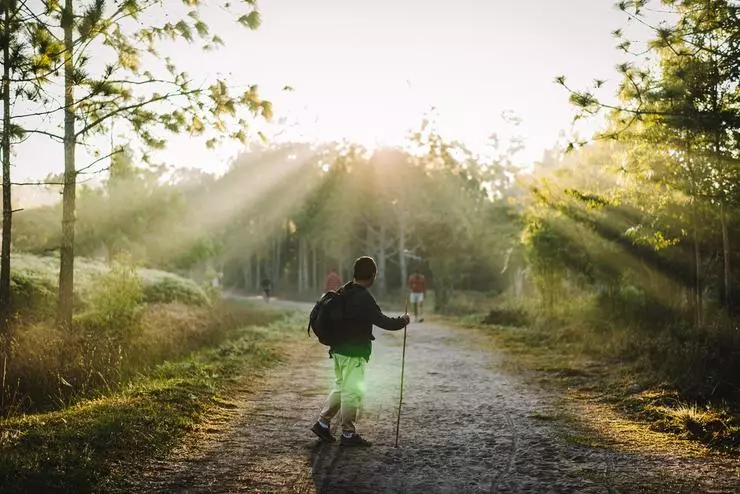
403, 365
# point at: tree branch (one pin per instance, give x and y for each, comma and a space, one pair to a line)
45, 133
123, 109
36, 184
109, 155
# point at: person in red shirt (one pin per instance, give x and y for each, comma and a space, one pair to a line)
417, 291
333, 281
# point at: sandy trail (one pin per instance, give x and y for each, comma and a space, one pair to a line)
466, 426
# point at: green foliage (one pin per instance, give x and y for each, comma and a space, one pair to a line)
95, 444
507, 316
50, 368
35, 280
32, 296
167, 289
159, 98
116, 301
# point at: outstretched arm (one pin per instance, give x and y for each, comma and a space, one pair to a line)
384, 322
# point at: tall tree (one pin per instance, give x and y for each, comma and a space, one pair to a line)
29, 56
687, 109
147, 101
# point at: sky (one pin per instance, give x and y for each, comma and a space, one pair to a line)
367, 71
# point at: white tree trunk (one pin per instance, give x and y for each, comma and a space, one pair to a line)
305, 273
258, 280
314, 271
382, 261
300, 265
247, 273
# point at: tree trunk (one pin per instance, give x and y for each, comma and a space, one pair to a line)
320, 282
5, 296
441, 294
273, 263
247, 274
278, 260
66, 267
5, 301
301, 262
258, 279
698, 296
382, 262
314, 273
402, 259
726, 253
719, 132
344, 271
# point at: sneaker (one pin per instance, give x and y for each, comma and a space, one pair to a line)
323, 432
354, 440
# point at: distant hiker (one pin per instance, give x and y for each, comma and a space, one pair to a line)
216, 281
350, 349
417, 291
266, 288
333, 281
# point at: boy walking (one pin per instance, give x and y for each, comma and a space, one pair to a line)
352, 353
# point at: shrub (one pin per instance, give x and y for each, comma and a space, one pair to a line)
32, 296
163, 288
506, 316
116, 304
50, 369
34, 282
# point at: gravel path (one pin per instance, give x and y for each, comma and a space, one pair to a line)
466, 426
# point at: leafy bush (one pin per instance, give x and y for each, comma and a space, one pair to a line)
101, 337
32, 295
34, 282
116, 304
466, 302
506, 316
164, 288
703, 363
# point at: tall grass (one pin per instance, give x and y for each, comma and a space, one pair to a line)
96, 444
127, 321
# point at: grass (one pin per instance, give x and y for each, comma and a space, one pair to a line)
126, 320
34, 281
88, 446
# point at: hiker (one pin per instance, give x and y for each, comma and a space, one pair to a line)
352, 352
216, 281
417, 291
266, 288
333, 281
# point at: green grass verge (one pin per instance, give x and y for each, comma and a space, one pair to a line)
86, 446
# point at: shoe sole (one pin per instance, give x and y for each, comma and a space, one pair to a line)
323, 437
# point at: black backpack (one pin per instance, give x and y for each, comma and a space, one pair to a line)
326, 317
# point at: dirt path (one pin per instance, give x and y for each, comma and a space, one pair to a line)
465, 427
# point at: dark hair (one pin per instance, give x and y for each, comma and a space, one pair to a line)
365, 268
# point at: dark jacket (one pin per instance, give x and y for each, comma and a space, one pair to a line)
361, 312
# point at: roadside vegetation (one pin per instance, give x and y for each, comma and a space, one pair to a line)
666, 381
148, 358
